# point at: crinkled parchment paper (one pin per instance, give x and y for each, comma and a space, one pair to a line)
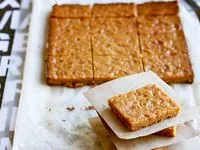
110, 141
43, 122
99, 95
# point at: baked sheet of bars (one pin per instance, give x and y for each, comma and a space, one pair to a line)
55, 117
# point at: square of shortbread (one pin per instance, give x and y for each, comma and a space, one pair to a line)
143, 107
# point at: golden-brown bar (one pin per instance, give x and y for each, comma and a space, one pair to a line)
114, 10
158, 8
71, 11
170, 132
69, 70
167, 56
69, 56
143, 107
164, 48
115, 48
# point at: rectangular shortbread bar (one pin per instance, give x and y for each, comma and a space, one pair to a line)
143, 107
164, 48
115, 48
114, 10
167, 55
158, 8
71, 11
69, 56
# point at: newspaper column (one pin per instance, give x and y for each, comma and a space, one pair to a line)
14, 23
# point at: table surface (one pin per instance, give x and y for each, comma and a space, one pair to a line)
14, 23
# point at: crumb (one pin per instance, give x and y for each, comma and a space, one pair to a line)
70, 108
63, 120
89, 108
49, 109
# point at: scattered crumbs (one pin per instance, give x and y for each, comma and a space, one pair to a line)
63, 120
70, 108
49, 109
89, 108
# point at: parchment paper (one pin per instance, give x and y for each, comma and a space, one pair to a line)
106, 136
37, 128
102, 133
99, 95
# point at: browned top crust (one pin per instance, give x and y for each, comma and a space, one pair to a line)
158, 24
71, 11
143, 107
158, 8
68, 37
169, 132
114, 10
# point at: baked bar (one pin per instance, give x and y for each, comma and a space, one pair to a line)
164, 48
71, 11
115, 48
167, 56
69, 71
143, 107
69, 56
170, 132
114, 10
158, 8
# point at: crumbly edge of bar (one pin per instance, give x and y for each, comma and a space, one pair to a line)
134, 10
54, 14
159, 2
168, 132
70, 84
173, 80
124, 120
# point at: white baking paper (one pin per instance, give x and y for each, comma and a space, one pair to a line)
99, 95
102, 133
106, 137
37, 128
